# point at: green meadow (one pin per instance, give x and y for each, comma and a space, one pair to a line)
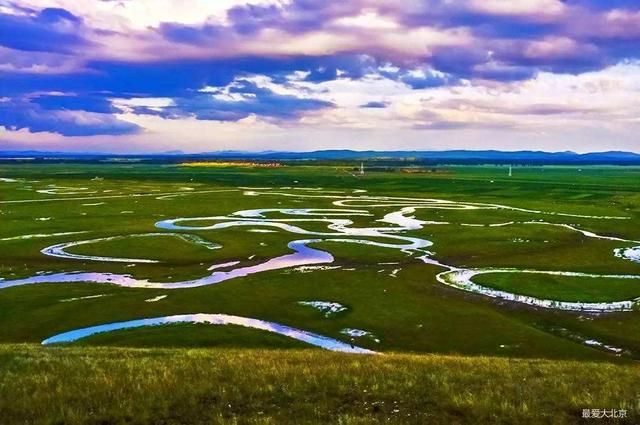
441, 345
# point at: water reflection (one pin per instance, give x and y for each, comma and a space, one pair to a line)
213, 319
303, 255
340, 229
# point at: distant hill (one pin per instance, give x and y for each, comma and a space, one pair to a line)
489, 156
427, 157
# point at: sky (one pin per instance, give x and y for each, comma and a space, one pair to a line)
133, 76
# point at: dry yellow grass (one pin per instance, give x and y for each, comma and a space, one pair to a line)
221, 164
141, 386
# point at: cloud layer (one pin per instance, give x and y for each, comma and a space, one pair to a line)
153, 70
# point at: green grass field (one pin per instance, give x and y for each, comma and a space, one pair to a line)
542, 218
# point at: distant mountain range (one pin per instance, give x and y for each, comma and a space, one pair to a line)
427, 157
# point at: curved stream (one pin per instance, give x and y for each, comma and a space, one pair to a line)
462, 279
340, 230
212, 319
59, 250
303, 255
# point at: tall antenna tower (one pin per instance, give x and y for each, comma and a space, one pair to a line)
362, 168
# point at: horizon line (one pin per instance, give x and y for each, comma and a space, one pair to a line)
263, 152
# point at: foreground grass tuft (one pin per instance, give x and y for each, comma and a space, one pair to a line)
175, 386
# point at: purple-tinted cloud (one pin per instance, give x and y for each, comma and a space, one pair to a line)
95, 104
22, 114
49, 30
55, 62
250, 100
607, 4
375, 105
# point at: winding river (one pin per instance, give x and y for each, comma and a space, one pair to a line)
340, 230
390, 234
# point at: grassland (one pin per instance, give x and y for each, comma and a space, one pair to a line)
228, 386
436, 327
563, 288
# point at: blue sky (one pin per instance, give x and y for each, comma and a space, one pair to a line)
205, 75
